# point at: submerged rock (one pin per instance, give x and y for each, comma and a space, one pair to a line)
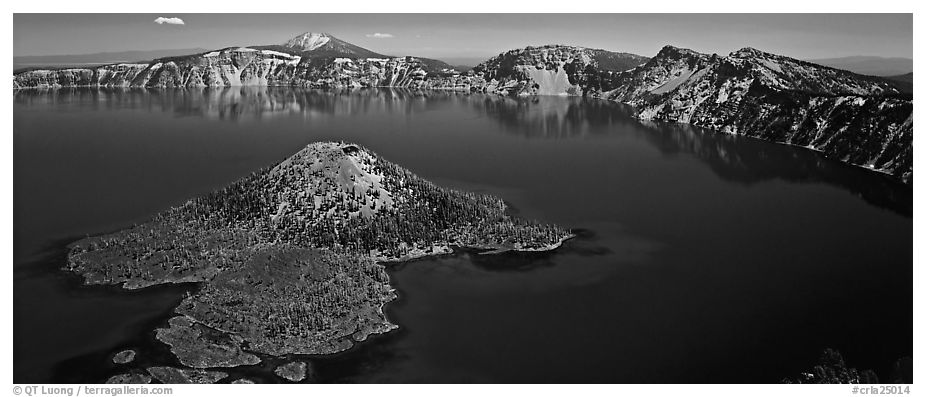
294, 372
130, 379
170, 375
124, 357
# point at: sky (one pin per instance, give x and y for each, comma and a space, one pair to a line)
443, 36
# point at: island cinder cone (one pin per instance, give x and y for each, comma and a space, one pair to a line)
288, 257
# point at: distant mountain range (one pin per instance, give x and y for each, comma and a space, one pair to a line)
324, 44
99, 58
869, 65
859, 119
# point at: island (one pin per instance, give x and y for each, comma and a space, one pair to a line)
293, 372
290, 259
124, 357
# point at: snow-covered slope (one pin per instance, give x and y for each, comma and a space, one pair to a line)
308, 41
852, 118
320, 45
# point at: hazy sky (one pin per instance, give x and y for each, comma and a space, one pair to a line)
476, 35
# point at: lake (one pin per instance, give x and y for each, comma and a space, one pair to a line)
700, 257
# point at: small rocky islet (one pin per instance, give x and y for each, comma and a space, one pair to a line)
124, 357
289, 259
295, 371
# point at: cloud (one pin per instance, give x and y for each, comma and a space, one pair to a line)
169, 21
380, 36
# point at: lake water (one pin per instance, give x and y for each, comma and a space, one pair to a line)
701, 257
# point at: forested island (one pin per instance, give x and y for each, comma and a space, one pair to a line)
289, 258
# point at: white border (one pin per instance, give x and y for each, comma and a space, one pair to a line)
438, 6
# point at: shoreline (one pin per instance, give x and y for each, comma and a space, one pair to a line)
819, 152
470, 90
441, 250
350, 341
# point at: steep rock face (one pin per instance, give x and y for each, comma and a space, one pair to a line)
551, 69
848, 117
118, 75
227, 67
356, 73
238, 67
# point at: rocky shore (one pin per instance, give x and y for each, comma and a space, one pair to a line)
288, 258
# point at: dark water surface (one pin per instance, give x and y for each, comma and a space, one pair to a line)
702, 257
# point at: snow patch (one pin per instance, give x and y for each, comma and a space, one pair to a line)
549, 82
278, 54
672, 84
308, 41
771, 65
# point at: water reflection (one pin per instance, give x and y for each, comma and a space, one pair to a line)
738, 159
768, 259
237, 103
747, 160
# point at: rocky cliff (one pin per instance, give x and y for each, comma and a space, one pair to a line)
861, 120
856, 119
238, 67
551, 70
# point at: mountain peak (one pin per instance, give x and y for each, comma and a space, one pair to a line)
673, 51
324, 45
750, 52
308, 41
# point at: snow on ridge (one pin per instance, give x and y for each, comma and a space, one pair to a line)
277, 53
549, 82
308, 41
673, 83
771, 65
